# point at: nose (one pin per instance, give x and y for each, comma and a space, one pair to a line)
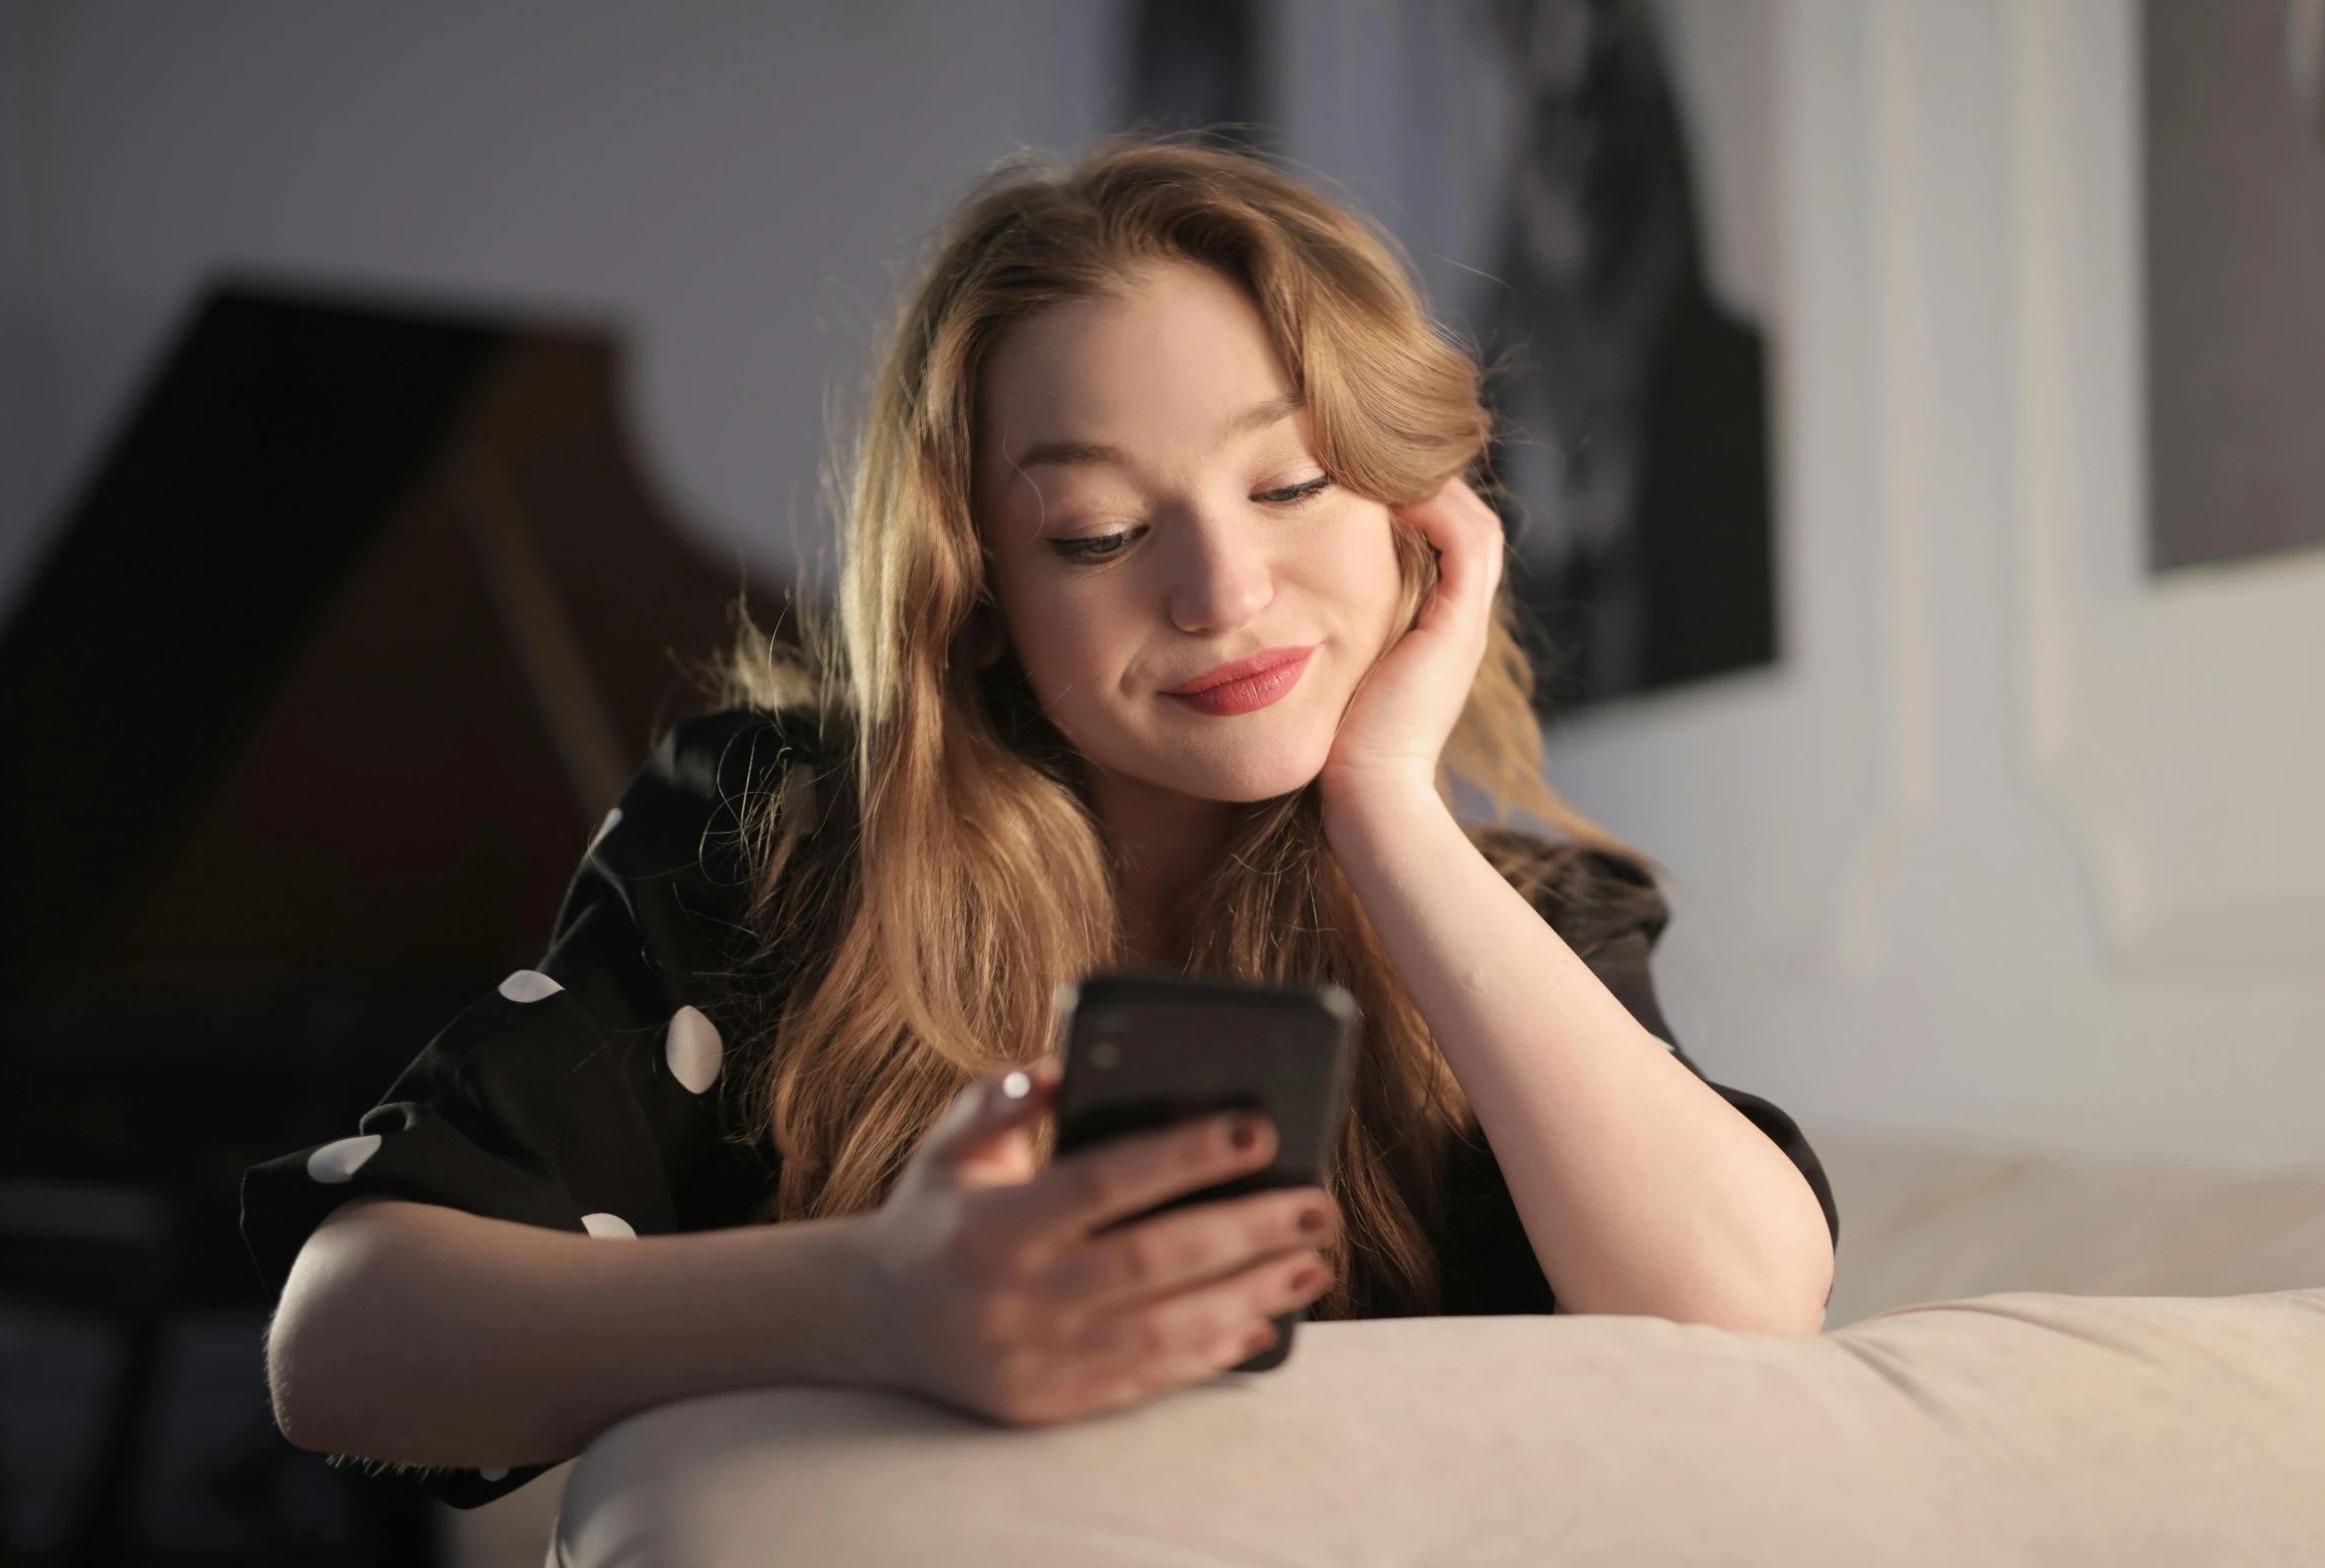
1219, 581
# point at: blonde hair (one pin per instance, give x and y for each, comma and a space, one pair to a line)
924, 946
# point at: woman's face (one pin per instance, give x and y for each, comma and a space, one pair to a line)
1193, 597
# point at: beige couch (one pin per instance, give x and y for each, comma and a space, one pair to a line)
2016, 1430
1923, 1222
2034, 1428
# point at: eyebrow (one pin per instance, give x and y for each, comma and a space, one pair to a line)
1071, 453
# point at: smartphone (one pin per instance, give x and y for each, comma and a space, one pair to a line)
1147, 1050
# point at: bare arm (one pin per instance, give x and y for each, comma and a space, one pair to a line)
1642, 1190
430, 1336
424, 1335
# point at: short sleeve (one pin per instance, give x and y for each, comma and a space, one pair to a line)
582, 1094
1608, 909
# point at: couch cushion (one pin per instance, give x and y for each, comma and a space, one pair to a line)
1927, 1222
2028, 1429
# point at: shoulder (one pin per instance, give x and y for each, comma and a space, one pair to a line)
695, 794
673, 866
1589, 895
729, 755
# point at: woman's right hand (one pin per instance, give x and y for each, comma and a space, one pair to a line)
1000, 1287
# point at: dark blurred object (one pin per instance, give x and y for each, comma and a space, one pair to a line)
1200, 64
2234, 148
100, 1250
124, 1133
363, 623
1642, 548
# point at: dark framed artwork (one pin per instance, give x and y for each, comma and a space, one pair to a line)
1635, 403
2234, 177
1199, 64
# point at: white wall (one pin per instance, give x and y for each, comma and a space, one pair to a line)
2017, 844
737, 182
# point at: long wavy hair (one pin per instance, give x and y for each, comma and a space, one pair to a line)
921, 896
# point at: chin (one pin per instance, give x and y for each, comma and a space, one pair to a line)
1242, 774
1232, 761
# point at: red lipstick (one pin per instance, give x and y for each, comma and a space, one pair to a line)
1246, 684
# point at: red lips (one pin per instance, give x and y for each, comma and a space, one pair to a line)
1246, 684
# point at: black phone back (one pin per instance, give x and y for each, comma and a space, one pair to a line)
1144, 1052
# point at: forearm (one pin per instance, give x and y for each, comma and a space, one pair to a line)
424, 1335
1642, 1190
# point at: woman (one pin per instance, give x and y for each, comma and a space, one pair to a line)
1165, 615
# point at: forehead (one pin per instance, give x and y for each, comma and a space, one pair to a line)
1161, 365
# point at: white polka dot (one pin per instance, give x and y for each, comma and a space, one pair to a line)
528, 985
494, 1473
334, 1163
613, 821
693, 1050
608, 1227
1017, 1086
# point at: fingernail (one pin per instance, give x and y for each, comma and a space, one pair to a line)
1246, 1133
1313, 1220
1263, 1340
1308, 1280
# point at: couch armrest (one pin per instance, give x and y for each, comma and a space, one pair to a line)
2026, 1429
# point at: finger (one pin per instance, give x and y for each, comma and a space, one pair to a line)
1468, 541
1475, 569
1191, 1335
1190, 1247
1091, 1189
987, 1111
1454, 515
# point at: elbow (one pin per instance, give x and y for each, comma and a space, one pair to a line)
294, 1415
1791, 1302
1779, 1288
306, 1378
1789, 1315
1782, 1276
1786, 1312
325, 1395
1783, 1291
1808, 1308
314, 1339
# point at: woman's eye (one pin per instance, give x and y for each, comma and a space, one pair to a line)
1292, 494
1096, 547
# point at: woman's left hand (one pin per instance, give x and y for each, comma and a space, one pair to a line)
1396, 725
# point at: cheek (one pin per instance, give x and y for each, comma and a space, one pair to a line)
1368, 582
1068, 644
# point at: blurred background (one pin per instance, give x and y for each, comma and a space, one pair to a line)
1913, 417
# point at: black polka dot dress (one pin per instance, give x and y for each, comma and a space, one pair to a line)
588, 1093
581, 1094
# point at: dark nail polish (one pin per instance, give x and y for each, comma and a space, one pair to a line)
1313, 1220
1245, 1134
